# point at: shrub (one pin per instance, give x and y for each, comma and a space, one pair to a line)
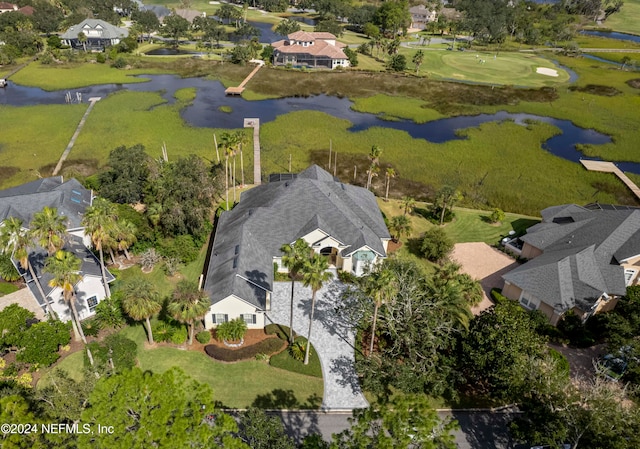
119, 63
573, 329
7, 271
233, 330
436, 245
120, 349
179, 336
171, 265
42, 341
109, 312
149, 259
268, 346
561, 361
101, 58
183, 248
347, 277
497, 216
163, 331
281, 331
262, 357
203, 337
91, 327
14, 322
298, 349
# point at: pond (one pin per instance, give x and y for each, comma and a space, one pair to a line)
205, 112
613, 35
305, 20
171, 52
266, 33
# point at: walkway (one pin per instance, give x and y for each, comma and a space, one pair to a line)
610, 167
255, 124
332, 336
92, 102
238, 90
24, 299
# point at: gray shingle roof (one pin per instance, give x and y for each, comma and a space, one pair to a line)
106, 30
581, 251
70, 198
250, 236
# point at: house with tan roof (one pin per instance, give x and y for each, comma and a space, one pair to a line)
581, 259
339, 221
310, 49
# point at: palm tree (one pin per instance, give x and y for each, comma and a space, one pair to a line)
374, 157
188, 304
389, 173
15, 240
99, 222
447, 197
399, 227
49, 228
418, 59
125, 236
379, 285
65, 269
314, 275
294, 258
82, 38
408, 203
140, 301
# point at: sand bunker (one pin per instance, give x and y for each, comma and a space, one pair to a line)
546, 71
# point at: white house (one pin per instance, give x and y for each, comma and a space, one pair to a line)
71, 199
340, 221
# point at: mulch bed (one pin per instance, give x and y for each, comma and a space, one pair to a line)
635, 83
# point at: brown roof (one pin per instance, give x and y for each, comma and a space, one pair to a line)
310, 35
319, 48
27, 10
5, 5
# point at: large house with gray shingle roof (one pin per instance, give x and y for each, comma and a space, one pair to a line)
582, 259
99, 34
71, 199
340, 221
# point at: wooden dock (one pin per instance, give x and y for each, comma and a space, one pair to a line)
610, 167
255, 124
239, 89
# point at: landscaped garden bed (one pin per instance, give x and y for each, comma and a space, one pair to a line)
255, 342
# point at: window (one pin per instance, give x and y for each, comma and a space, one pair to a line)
219, 318
249, 318
528, 303
92, 303
629, 274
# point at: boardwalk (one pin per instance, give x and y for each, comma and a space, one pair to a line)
238, 90
92, 102
610, 167
255, 124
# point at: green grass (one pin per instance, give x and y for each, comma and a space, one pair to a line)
474, 226
7, 288
283, 360
69, 76
395, 107
589, 41
627, 19
236, 385
73, 364
507, 68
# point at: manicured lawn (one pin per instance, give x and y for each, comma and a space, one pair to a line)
627, 19
73, 364
236, 385
473, 226
283, 360
6, 288
506, 68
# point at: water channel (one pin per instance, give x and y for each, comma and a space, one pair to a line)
205, 112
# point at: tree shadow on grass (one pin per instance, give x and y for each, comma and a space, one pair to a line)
285, 399
414, 246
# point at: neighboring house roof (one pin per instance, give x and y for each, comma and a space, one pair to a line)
27, 10
188, 14
4, 6
250, 235
581, 252
103, 29
70, 198
90, 267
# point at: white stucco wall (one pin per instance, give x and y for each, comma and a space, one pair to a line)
233, 307
85, 289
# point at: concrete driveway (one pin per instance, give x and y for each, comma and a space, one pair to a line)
332, 336
486, 265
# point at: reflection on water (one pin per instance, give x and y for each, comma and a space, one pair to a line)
205, 112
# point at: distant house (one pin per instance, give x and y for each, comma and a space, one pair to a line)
310, 49
99, 35
71, 199
421, 16
10, 7
582, 259
340, 221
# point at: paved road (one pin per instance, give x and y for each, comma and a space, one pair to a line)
478, 430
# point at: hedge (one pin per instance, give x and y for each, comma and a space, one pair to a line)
281, 331
268, 346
